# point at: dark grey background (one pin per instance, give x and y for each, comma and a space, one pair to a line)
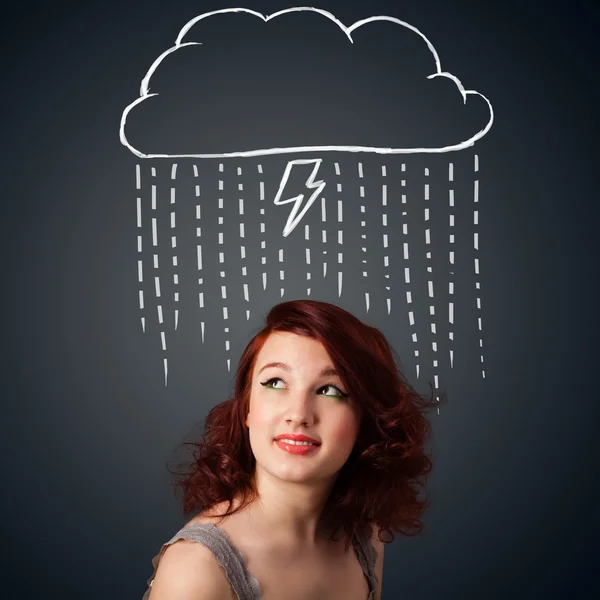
88, 425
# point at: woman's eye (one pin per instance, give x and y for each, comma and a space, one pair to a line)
268, 383
338, 393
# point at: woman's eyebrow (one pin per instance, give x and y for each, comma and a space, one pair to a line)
325, 372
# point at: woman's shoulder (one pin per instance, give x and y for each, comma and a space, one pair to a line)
190, 567
193, 567
211, 515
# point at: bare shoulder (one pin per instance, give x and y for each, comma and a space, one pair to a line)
210, 515
188, 571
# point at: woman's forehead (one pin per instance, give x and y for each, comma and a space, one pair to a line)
280, 340
298, 361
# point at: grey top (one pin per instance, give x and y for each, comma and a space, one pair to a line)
233, 561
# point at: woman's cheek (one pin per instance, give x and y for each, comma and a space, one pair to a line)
344, 430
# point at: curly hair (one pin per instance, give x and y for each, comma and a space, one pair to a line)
381, 480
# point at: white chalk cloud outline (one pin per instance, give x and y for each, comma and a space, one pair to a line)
145, 87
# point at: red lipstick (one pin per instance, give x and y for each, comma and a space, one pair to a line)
303, 449
297, 449
297, 438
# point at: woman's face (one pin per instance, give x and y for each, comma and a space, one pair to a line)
299, 399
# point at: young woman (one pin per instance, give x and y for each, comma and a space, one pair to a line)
318, 451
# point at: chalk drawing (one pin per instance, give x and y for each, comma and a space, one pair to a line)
385, 237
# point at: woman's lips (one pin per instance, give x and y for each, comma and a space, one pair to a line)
297, 448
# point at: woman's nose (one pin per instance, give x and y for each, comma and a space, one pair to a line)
301, 407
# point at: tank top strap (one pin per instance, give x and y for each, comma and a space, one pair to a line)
244, 584
367, 556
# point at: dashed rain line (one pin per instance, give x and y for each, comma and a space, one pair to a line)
174, 244
263, 242
281, 271
451, 260
138, 186
476, 247
222, 273
430, 283
307, 257
243, 248
199, 251
386, 259
363, 224
157, 277
324, 235
340, 233
411, 315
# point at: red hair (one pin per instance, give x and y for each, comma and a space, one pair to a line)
379, 483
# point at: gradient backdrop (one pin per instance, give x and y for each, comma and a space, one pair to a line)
88, 425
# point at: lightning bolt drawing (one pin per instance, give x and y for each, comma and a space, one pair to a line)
294, 218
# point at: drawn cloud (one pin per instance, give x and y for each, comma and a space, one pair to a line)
246, 84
